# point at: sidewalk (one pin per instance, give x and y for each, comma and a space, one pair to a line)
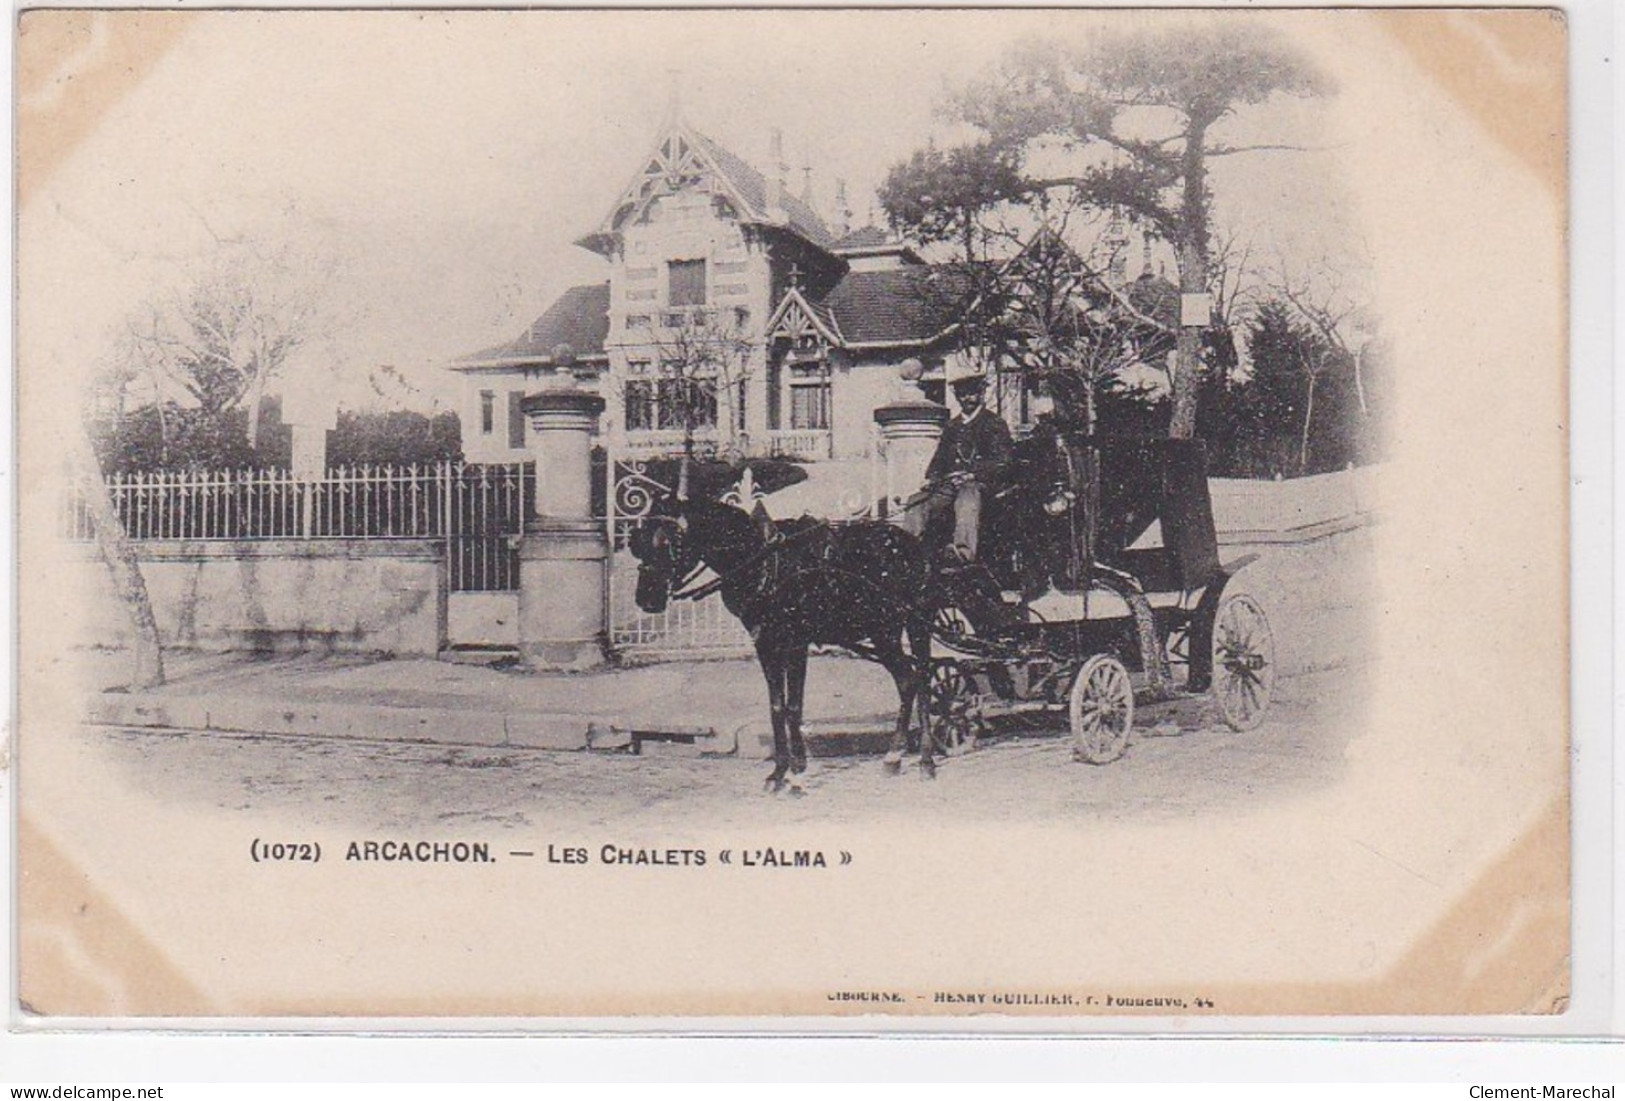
709, 707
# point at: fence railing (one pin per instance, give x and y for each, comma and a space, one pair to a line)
779, 443
416, 501
479, 509
646, 443
801, 443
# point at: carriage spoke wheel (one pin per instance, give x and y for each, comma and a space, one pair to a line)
1243, 662
951, 627
1101, 710
956, 722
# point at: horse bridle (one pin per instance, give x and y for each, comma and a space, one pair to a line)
679, 589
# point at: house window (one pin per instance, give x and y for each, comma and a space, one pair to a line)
685, 283
686, 402
516, 419
640, 405
668, 403
809, 396
488, 412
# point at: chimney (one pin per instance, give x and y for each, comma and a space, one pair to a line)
1116, 242
843, 211
775, 182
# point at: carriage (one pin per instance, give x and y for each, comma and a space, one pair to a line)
1099, 586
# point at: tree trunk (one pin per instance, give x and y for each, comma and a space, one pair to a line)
1187, 362
131, 587
256, 398
1193, 277
1308, 417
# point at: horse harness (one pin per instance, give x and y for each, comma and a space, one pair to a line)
775, 574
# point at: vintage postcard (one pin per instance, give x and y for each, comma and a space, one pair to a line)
872, 518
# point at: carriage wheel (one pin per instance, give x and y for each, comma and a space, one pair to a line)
1101, 710
1243, 662
956, 721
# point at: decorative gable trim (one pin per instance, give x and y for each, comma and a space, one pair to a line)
795, 317
679, 161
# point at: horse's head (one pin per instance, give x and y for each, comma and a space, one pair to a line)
679, 537
664, 552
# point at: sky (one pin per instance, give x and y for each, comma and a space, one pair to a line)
442, 163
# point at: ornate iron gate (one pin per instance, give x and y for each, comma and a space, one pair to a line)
686, 629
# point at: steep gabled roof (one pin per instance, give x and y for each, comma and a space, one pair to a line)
795, 313
753, 188
579, 318
683, 155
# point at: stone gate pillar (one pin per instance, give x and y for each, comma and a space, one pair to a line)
561, 560
909, 430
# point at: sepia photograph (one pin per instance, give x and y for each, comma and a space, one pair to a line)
954, 519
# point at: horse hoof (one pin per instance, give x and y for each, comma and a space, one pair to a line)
893, 767
796, 790
773, 785
928, 770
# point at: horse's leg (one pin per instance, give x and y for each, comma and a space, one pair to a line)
795, 691
919, 666
901, 669
773, 669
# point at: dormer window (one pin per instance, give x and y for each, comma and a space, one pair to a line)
685, 283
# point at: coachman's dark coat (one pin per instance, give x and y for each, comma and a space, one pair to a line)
978, 445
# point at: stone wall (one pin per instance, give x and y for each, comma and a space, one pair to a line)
371, 596
1316, 586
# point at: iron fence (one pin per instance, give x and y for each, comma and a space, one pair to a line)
477, 508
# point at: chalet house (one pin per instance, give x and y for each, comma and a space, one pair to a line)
734, 315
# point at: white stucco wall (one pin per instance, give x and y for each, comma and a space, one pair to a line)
278, 595
858, 391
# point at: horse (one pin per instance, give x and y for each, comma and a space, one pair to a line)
862, 586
